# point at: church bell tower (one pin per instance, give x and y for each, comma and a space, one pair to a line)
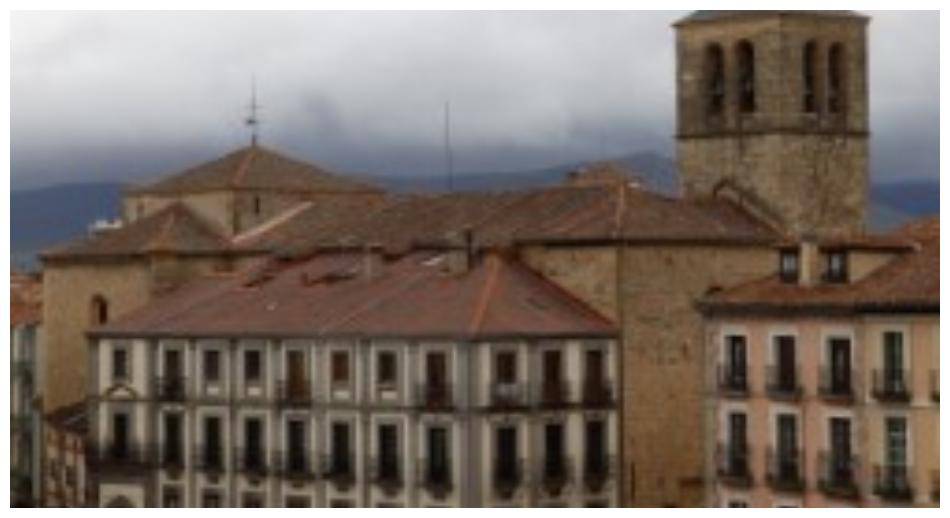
772, 108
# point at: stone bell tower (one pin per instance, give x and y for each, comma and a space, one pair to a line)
772, 108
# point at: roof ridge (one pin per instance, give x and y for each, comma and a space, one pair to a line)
242, 168
481, 306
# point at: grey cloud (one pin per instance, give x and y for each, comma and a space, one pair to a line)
125, 95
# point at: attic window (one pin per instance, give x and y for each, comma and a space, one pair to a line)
788, 266
837, 267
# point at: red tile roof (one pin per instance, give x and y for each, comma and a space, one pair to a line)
412, 297
910, 282
566, 214
26, 299
174, 229
255, 167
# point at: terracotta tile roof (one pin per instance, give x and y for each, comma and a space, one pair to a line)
412, 297
26, 299
255, 167
909, 282
174, 229
576, 213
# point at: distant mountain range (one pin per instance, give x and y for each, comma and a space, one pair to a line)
46, 216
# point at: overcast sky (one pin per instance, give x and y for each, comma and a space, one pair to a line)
130, 95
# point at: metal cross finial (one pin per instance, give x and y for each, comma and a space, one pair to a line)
252, 120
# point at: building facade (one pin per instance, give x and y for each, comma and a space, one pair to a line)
824, 392
67, 481
502, 416
26, 382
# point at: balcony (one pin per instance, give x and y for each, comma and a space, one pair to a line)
209, 460
732, 465
784, 470
597, 392
386, 473
507, 396
172, 457
295, 465
252, 462
436, 478
598, 469
782, 383
552, 394
891, 483
170, 389
935, 385
836, 475
294, 393
339, 469
507, 476
554, 473
732, 381
117, 457
434, 396
835, 386
890, 385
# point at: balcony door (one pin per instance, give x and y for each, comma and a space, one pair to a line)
553, 450
254, 443
173, 439
785, 357
506, 442
173, 367
436, 378
551, 372
840, 448
840, 352
736, 361
388, 448
341, 448
296, 446
787, 446
594, 447
737, 443
893, 362
438, 452
296, 374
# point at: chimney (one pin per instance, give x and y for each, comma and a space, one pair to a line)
372, 261
460, 257
810, 267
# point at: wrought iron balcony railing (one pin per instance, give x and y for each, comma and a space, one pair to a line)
386, 473
434, 396
891, 385
732, 380
171, 388
598, 469
732, 464
836, 385
209, 459
837, 474
552, 394
597, 392
435, 477
892, 482
504, 396
339, 468
507, 476
784, 470
783, 382
251, 461
294, 393
295, 464
554, 473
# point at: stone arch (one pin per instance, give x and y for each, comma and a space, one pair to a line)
715, 79
98, 310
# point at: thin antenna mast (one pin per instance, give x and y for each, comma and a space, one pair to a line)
449, 166
252, 120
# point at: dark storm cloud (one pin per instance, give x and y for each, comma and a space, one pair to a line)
98, 96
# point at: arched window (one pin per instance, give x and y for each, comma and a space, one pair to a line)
98, 310
808, 77
745, 57
715, 79
835, 78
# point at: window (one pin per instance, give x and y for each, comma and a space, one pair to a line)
788, 266
296, 446
839, 373
787, 445
210, 498
715, 80
212, 366
173, 368
840, 440
340, 366
386, 369
438, 455
341, 449
595, 461
554, 450
253, 444
808, 77
212, 443
784, 374
835, 78
120, 436
252, 500
388, 444
173, 440
120, 364
506, 367
437, 391
506, 453
98, 310
735, 372
894, 361
745, 57
252, 366
895, 454
736, 456
837, 267
297, 501
171, 496
298, 386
